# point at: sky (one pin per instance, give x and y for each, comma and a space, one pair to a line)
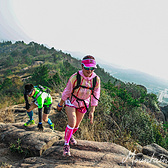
131, 34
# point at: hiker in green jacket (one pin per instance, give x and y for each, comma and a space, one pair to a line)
42, 98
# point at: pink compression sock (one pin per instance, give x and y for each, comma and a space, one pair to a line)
74, 130
68, 134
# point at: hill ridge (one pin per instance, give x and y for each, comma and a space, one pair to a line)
121, 107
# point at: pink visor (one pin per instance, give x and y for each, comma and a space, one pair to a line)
89, 63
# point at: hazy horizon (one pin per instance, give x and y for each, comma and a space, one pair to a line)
130, 34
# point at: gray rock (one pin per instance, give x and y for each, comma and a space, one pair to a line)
44, 149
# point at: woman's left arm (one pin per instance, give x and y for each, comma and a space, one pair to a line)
96, 92
91, 114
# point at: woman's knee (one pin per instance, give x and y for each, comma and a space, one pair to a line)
29, 110
32, 106
45, 120
72, 120
71, 114
45, 117
79, 118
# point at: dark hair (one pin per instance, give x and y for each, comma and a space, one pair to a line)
28, 87
88, 57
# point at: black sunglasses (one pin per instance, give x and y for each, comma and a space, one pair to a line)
88, 68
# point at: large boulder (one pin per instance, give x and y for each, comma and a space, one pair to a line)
46, 148
30, 138
156, 151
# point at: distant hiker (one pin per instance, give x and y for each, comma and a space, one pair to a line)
76, 96
42, 98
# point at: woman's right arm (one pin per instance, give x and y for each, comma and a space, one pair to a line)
60, 105
66, 93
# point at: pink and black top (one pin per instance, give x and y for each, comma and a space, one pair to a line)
82, 93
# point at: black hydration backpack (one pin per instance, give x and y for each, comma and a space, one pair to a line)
79, 85
42, 89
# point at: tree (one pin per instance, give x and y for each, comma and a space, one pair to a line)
57, 79
10, 61
40, 75
7, 87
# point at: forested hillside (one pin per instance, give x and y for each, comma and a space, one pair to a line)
126, 114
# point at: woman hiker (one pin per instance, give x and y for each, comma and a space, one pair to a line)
42, 98
76, 96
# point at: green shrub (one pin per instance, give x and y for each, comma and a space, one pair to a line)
17, 148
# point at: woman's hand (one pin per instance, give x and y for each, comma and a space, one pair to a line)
60, 105
91, 114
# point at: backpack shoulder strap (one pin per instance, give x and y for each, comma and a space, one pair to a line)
78, 77
94, 82
38, 91
41, 87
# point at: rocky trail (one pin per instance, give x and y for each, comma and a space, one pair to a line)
44, 149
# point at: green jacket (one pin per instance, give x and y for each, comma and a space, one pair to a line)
42, 98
